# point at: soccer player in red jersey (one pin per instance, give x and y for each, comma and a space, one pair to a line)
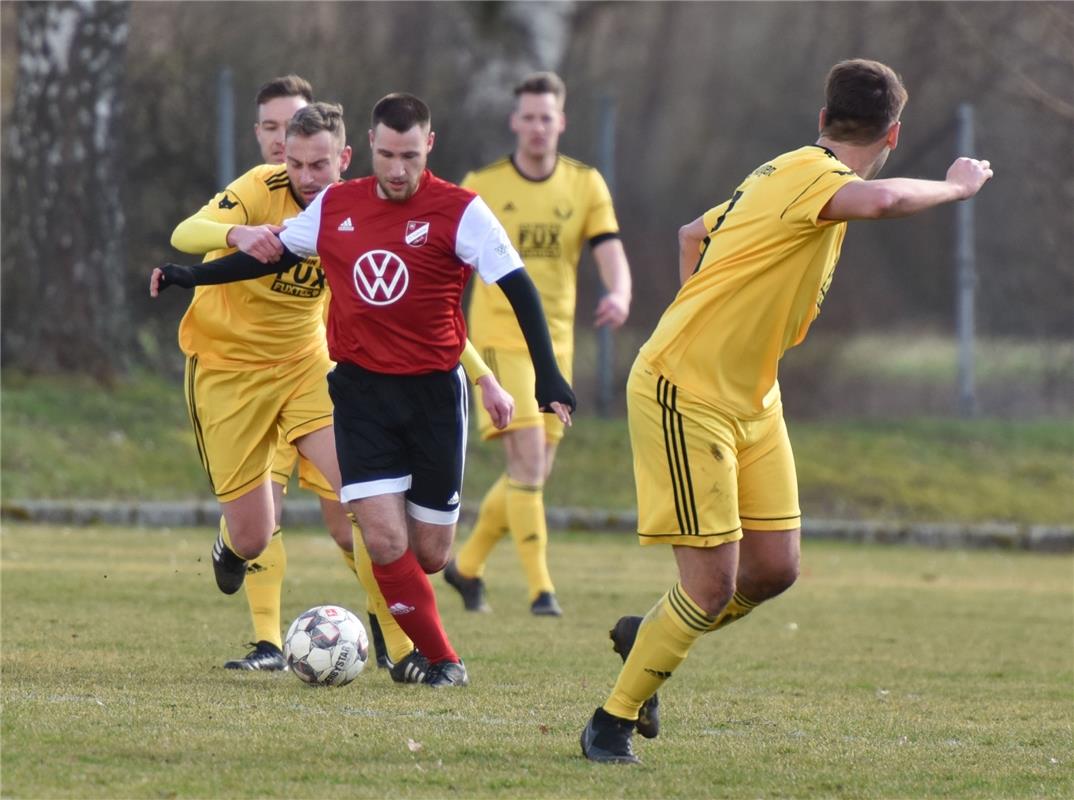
397, 248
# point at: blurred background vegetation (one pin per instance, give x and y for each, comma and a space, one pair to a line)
109, 123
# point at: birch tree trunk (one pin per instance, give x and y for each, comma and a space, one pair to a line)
64, 299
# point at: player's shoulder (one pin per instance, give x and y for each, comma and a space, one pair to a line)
810, 157
270, 177
492, 169
441, 191
574, 165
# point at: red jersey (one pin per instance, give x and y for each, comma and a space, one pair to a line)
397, 270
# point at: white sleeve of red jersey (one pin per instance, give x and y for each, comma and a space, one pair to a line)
300, 233
482, 243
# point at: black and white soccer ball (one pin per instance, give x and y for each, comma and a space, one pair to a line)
326, 646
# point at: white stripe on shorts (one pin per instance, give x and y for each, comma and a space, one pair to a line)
431, 515
364, 489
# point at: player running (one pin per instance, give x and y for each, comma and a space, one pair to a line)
712, 461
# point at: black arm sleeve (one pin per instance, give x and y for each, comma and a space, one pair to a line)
235, 267
522, 295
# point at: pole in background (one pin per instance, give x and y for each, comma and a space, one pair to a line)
966, 259
225, 128
605, 342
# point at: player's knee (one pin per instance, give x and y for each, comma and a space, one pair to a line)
342, 536
433, 563
713, 594
777, 579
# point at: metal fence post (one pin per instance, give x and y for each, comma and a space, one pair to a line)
966, 259
225, 127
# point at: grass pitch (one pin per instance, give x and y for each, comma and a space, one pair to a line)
67, 438
886, 672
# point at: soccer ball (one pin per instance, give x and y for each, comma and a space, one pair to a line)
326, 646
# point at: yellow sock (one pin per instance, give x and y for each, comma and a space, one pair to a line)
490, 527
264, 581
665, 637
736, 609
396, 641
525, 515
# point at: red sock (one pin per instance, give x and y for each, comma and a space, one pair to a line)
411, 601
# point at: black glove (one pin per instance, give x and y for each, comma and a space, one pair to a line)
553, 388
175, 275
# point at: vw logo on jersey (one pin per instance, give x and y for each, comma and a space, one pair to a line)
380, 277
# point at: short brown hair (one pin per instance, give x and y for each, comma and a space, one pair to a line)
287, 86
400, 112
862, 99
543, 83
317, 117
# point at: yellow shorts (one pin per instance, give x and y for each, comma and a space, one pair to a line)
514, 370
239, 416
702, 475
309, 477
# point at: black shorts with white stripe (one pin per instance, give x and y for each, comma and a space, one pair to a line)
402, 434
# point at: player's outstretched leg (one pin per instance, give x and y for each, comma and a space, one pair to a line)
606, 739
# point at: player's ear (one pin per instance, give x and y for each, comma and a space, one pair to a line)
562, 122
345, 159
893, 134
429, 142
370, 138
822, 119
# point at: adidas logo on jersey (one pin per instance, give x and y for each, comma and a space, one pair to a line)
509, 207
454, 501
398, 609
346, 226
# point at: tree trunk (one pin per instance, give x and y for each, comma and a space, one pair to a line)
64, 299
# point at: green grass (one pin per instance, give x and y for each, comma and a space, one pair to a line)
71, 439
885, 673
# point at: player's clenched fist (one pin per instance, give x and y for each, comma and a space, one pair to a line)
970, 174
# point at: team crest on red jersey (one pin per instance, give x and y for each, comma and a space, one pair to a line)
417, 233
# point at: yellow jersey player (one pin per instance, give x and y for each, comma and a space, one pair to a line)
712, 461
551, 206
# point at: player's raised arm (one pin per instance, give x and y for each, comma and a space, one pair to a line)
901, 197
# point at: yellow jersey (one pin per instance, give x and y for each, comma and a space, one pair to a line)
763, 272
548, 221
278, 318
